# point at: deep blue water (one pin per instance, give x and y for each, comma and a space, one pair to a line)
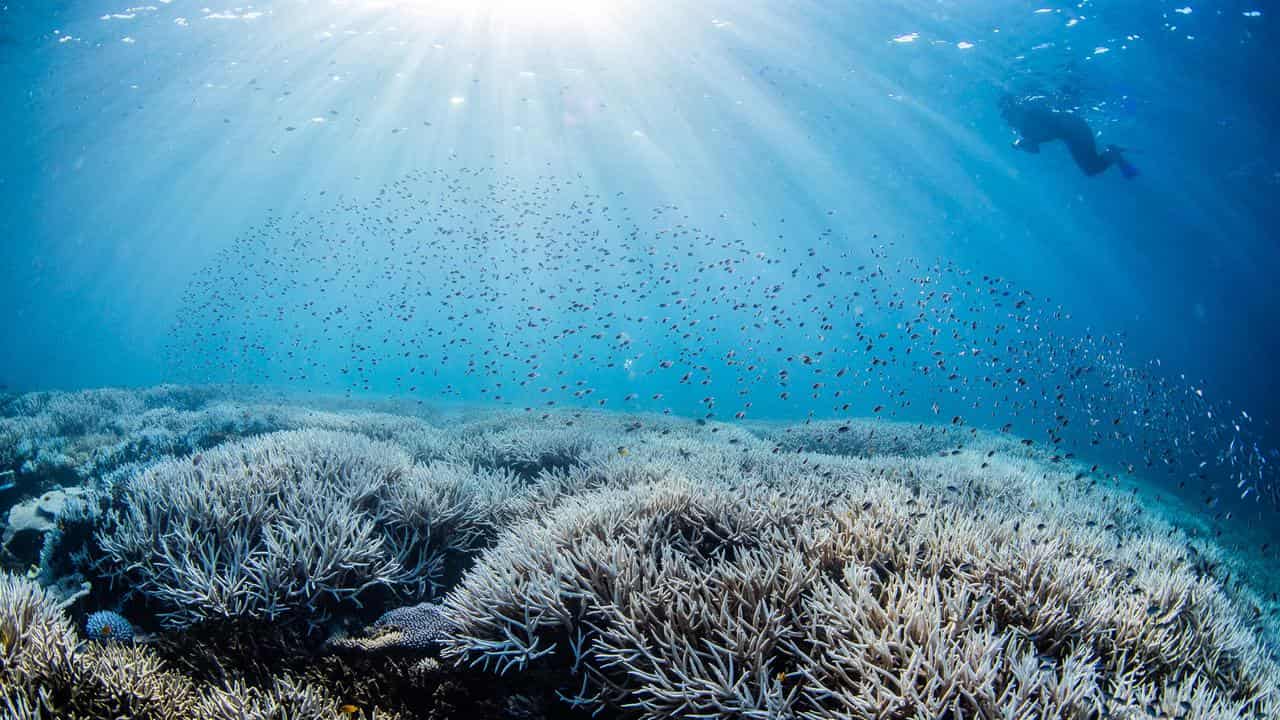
144, 141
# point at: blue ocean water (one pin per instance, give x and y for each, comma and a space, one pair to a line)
193, 194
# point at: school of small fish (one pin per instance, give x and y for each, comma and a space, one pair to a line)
472, 286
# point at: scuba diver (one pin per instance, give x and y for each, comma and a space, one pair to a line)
1037, 122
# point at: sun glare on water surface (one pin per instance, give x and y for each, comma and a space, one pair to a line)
536, 13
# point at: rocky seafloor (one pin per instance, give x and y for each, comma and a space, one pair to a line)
193, 552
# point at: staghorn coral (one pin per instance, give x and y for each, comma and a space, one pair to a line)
47, 673
50, 438
521, 444
36, 639
434, 517
646, 565
255, 529
20, 704
725, 600
124, 681
292, 526
286, 699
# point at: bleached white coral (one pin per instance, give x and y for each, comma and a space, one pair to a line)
86, 435
46, 672
716, 598
289, 526
36, 639
286, 699
665, 567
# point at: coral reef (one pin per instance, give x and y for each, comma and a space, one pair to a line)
605, 563
100, 436
868, 438
66, 435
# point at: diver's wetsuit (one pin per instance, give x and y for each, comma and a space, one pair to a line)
1036, 123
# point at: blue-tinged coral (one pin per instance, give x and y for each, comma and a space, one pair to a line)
49, 438
108, 626
420, 628
868, 438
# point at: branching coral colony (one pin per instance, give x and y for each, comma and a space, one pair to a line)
687, 600
626, 565
293, 526
46, 671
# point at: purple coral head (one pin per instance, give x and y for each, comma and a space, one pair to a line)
108, 626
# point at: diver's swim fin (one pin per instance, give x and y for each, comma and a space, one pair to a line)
1126, 168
